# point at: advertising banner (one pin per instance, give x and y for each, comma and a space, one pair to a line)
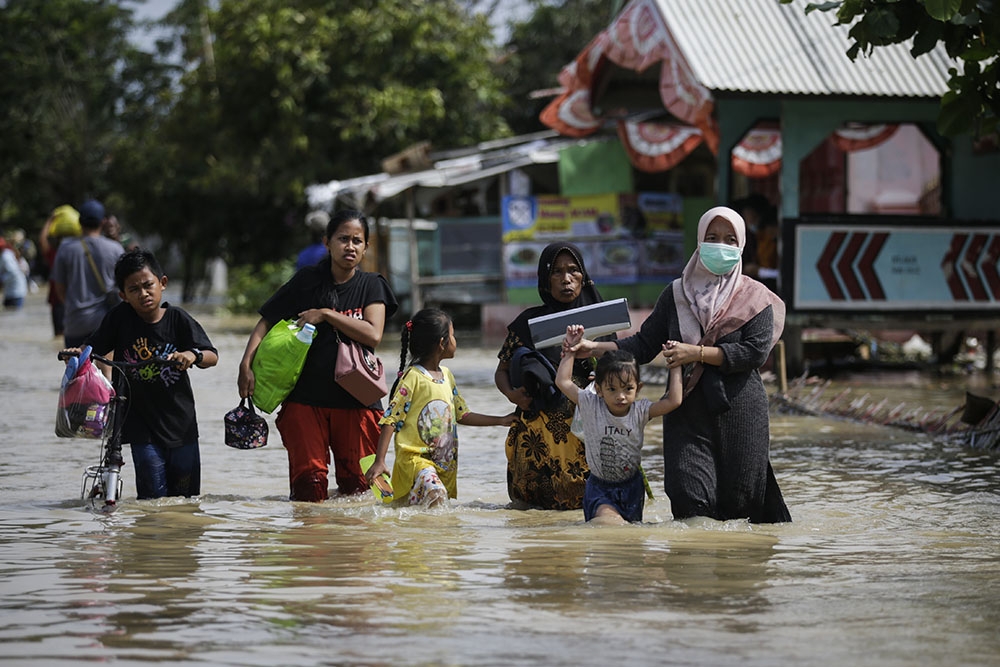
624, 238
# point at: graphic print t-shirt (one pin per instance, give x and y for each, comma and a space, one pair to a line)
613, 444
424, 413
160, 401
316, 385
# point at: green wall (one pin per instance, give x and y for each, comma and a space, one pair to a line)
975, 182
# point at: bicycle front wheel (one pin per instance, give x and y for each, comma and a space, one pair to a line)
112, 487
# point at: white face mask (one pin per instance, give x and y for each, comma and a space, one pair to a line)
719, 258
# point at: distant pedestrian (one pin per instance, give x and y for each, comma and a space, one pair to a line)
316, 222
13, 280
760, 255
113, 230
26, 253
63, 223
84, 275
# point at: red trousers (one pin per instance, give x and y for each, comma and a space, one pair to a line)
309, 434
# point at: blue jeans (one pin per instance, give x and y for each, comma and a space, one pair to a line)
167, 471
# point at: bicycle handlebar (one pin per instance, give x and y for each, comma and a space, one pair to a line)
159, 361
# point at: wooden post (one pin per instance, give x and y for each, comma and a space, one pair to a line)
794, 351
416, 298
991, 347
780, 366
503, 182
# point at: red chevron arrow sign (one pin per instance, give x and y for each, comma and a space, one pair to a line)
896, 267
970, 267
846, 266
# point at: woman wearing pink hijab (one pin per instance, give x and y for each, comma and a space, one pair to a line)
719, 326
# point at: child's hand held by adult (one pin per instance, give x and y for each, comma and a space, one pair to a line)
574, 334
675, 353
582, 348
668, 352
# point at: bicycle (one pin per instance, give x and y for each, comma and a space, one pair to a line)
102, 484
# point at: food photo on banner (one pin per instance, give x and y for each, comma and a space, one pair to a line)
625, 238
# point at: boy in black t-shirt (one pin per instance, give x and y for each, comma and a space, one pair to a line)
161, 425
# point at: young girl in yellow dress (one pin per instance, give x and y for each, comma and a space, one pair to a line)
424, 414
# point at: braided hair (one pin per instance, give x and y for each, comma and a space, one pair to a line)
420, 336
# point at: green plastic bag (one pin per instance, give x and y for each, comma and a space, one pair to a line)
277, 365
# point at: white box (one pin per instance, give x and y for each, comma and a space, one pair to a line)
598, 319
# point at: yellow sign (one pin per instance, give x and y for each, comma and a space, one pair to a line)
557, 217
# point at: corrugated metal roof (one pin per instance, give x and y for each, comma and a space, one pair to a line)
762, 46
458, 167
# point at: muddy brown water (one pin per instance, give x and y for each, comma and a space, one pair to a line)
893, 557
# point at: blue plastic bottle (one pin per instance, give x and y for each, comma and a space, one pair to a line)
306, 333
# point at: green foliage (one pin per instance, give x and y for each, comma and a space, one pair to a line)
210, 141
361, 80
250, 287
541, 46
71, 83
970, 32
285, 94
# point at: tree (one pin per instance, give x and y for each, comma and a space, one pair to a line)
209, 142
72, 84
541, 46
294, 93
970, 32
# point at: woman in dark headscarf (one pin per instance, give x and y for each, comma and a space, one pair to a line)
546, 464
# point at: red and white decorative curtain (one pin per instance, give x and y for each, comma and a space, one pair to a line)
858, 136
638, 39
655, 147
758, 154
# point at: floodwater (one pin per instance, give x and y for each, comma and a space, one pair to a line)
893, 557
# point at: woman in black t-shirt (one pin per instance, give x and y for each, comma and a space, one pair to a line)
319, 416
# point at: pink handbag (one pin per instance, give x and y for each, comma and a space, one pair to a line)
360, 372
